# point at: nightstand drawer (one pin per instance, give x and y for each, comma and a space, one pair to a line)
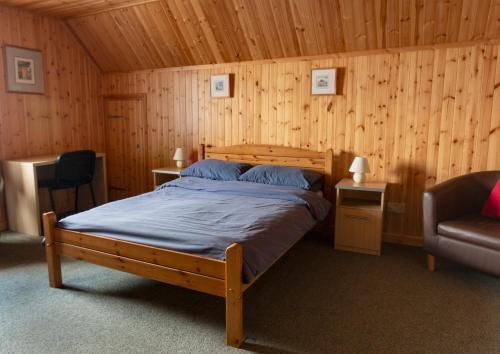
358, 230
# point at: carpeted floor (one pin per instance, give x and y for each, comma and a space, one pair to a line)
314, 300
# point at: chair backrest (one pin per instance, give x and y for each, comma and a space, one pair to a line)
75, 167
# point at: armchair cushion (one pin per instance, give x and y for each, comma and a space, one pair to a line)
474, 229
491, 208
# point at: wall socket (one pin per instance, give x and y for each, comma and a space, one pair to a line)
397, 208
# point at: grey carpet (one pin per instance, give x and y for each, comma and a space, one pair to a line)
314, 300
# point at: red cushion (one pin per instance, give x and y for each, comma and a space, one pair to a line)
491, 208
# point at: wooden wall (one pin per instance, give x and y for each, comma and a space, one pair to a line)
69, 115
421, 116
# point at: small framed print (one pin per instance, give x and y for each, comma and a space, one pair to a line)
24, 70
323, 81
220, 86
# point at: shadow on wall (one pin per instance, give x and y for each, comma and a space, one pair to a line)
408, 189
341, 76
341, 163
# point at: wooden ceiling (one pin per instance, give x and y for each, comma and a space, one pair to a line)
71, 8
126, 35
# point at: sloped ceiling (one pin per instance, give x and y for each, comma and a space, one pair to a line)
126, 35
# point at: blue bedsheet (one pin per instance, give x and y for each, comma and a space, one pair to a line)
204, 217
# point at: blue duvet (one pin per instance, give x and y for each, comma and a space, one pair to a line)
204, 217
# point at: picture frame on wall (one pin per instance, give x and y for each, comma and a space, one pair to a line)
220, 86
323, 81
23, 70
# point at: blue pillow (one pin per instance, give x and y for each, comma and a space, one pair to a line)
284, 176
216, 169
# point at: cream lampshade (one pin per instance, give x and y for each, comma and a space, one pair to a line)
180, 157
359, 167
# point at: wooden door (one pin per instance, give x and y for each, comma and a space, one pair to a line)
126, 147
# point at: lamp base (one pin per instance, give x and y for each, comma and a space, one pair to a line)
359, 177
179, 163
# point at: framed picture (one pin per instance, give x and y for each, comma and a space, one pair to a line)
220, 85
24, 70
323, 81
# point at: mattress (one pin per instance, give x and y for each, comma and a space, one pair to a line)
204, 217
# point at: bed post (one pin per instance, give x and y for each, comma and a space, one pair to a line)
53, 259
234, 295
201, 152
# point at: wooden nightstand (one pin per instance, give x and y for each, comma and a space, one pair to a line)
165, 174
359, 216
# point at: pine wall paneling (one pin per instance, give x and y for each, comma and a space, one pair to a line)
420, 116
69, 114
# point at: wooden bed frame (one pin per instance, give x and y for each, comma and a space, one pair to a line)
211, 276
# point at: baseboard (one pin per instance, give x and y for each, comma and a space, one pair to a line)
402, 239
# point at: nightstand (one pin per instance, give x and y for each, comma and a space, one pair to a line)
359, 216
165, 174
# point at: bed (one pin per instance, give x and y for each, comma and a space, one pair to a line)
211, 256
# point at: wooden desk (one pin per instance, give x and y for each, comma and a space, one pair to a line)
165, 174
25, 203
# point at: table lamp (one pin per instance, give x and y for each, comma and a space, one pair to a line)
359, 167
179, 157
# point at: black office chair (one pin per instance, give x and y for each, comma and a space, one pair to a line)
72, 170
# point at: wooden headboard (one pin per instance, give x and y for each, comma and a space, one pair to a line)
321, 162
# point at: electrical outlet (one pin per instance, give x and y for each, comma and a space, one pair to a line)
397, 208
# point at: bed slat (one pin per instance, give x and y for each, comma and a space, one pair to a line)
167, 258
168, 275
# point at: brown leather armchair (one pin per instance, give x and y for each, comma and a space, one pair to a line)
453, 226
